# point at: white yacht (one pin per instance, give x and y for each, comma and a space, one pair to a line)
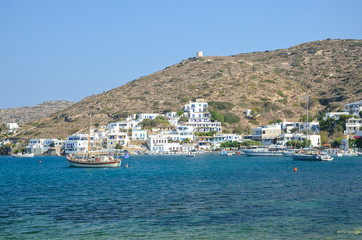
263, 151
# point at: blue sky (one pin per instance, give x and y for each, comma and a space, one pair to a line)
67, 50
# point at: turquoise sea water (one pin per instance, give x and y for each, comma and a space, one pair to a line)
174, 197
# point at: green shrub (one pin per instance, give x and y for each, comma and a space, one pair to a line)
280, 93
221, 105
231, 118
252, 121
216, 116
288, 113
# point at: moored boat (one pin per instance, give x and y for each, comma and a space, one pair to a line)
226, 153
23, 155
95, 160
289, 152
311, 156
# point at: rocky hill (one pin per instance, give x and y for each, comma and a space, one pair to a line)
272, 81
23, 115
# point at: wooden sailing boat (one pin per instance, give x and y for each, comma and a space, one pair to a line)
96, 159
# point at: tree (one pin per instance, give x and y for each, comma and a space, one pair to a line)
337, 142
183, 119
324, 137
216, 116
238, 130
5, 150
303, 118
118, 146
186, 140
294, 130
304, 143
359, 142
52, 144
180, 113
209, 134
250, 143
327, 125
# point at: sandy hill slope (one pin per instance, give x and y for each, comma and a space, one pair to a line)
23, 115
272, 81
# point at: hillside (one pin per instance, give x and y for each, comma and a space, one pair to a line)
273, 81
23, 115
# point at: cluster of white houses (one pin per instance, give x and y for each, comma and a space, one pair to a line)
181, 137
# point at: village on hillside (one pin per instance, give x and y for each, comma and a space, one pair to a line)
194, 129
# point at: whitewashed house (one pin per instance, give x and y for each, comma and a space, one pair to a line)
352, 126
221, 138
151, 116
199, 117
188, 147
41, 146
285, 137
157, 143
139, 134
287, 127
354, 108
172, 118
116, 136
205, 142
76, 143
334, 115
12, 127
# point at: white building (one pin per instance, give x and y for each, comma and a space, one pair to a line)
353, 125
184, 132
160, 143
151, 116
248, 113
187, 147
77, 143
335, 115
139, 134
267, 135
199, 117
12, 127
172, 118
312, 126
354, 108
205, 142
126, 124
220, 138
114, 137
284, 138
41, 146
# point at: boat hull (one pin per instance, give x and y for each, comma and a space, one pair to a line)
88, 164
263, 153
311, 157
25, 155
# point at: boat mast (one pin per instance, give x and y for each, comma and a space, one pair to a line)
89, 136
307, 143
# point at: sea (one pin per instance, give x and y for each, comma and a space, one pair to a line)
176, 197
